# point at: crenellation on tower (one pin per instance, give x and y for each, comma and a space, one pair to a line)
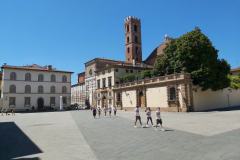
133, 42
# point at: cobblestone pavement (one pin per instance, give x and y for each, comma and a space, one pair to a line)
77, 135
116, 138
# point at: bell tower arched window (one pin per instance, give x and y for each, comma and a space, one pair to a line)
127, 39
128, 50
136, 39
135, 28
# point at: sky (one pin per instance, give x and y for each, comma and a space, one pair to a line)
68, 33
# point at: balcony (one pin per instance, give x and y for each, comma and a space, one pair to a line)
156, 80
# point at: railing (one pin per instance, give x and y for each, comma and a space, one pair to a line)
176, 76
105, 88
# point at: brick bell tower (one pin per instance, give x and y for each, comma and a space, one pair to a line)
133, 42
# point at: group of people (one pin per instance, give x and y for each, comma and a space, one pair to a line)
6, 111
137, 114
149, 117
99, 110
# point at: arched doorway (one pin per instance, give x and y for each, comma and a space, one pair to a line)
141, 99
104, 101
40, 103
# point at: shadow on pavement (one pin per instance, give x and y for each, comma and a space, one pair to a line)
168, 130
234, 108
14, 143
34, 158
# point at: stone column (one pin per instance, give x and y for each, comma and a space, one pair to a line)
184, 97
114, 99
61, 104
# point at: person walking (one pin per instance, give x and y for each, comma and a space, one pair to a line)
99, 111
2, 111
94, 112
115, 110
110, 110
149, 117
105, 111
137, 116
13, 112
158, 119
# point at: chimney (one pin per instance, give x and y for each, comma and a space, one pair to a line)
49, 67
134, 62
5, 64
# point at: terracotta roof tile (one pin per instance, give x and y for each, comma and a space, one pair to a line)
235, 69
157, 51
34, 67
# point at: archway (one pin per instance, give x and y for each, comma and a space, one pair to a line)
104, 101
40, 103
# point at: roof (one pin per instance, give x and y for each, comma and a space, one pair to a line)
34, 67
157, 51
127, 65
77, 84
82, 73
104, 59
235, 69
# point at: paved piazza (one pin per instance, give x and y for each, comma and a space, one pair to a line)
76, 135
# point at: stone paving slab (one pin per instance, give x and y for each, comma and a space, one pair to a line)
77, 135
50, 136
116, 138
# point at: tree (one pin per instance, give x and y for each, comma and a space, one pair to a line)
194, 53
145, 74
127, 78
234, 81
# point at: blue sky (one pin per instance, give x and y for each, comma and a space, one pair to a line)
68, 33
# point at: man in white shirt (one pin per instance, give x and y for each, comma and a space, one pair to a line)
115, 110
99, 111
105, 111
149, 117
158, 119
137, 116
110, 110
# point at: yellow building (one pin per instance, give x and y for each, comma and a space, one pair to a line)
108, 77
235, 71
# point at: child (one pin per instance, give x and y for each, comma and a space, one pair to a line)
115, 110
158, 119
94, 112
99, 111
149, 117
110, 110
137, 116
13, 113
105, 111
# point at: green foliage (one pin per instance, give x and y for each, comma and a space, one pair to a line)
145, 74
234, 81
139, 76
193, 53
127, 78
